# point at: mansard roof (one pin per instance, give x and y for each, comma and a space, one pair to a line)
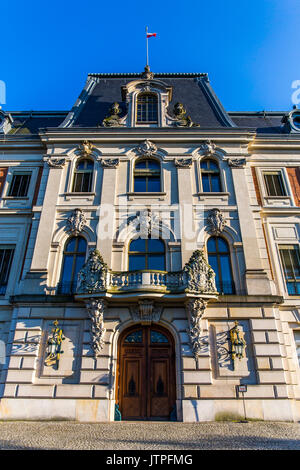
101, 90
191, 89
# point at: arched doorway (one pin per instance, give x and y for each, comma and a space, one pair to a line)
146, 386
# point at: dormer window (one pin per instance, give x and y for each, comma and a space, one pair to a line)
147, 108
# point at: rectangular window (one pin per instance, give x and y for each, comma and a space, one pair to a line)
19, 185
274, 183
6, 257
290, 259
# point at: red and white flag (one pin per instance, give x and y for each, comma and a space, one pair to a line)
149, 35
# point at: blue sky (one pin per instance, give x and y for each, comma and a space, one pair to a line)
249, 48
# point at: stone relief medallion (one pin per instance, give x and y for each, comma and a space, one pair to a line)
216, 221
147, 148
208, 148
76, 222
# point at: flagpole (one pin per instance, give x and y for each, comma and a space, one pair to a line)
147, 46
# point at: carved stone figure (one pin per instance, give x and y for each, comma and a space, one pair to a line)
147, 148
93, 276
96, 309
54, 346
195, 309
216, 221
181, 119
113, 119
147, 75
76, 222
200, 276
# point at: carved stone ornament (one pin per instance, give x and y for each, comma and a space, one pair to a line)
147, 75
145, 223
56, 162
200, 276
96, 309
182, 120
195, 309
93, 276
146, 312
76, 222
113, 119
110, 162
236, 162
86, 148
216, 221
147, 148
208, 148
183, 162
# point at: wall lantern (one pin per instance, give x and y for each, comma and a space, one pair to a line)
54, 345
238, 344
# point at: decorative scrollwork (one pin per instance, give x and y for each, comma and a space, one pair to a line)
96, 309
93, 276
200, 275
147, 148
195, 308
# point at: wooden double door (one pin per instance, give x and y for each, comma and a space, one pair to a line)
146, 373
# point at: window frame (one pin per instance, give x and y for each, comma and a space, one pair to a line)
72, 283
287, 247
218, 254
76, 172
146, 254
281, 183
138, 122
7, 272
210, 173
147, 173
14, 175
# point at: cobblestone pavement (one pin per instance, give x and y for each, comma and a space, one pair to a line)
148, 435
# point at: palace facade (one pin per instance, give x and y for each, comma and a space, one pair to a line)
149, 256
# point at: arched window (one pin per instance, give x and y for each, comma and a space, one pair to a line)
83, 176
219, 260
73, 260
146, 254
210, 173
147, 176
147, 108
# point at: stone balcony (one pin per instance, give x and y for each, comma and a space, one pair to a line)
96, 280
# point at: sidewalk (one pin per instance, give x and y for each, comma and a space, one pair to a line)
149, 435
